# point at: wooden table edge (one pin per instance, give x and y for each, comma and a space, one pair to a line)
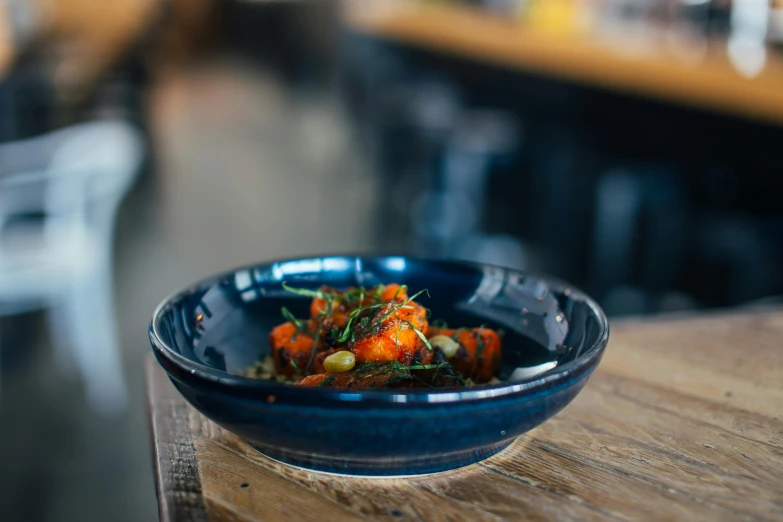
715, 87
186, 478
168, 505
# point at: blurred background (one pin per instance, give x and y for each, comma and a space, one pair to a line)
632, 147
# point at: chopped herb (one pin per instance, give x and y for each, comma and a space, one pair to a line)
289, 316
422, 366
316, 341
317, 294
298, 324
366, 367
397, 343
353, 296
329, 380
395, 308
353, 315
421, 335
480, 343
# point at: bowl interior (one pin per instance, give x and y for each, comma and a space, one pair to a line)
224, 322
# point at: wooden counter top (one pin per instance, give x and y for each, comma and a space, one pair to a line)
620, 65
681, 421
7, 50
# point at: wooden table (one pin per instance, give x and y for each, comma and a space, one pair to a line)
681, 421
7, 50
640, 67
82, 38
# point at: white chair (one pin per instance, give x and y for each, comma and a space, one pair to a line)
72, 182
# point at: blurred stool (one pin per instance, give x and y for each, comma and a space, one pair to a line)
639, 237
59, 194
737, 260
412, 122
450, 214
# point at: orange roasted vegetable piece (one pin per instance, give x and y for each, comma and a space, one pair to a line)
392, 290
289, 345
394, 338
478, 356
340, 310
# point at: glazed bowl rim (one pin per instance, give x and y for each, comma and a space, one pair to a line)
585, 361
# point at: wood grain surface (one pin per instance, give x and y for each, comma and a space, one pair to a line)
83, 38
7, 48
681, 421
625, 63
176, 469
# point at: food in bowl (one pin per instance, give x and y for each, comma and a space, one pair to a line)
210, 332
376, 337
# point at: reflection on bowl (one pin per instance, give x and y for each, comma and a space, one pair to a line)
207, 334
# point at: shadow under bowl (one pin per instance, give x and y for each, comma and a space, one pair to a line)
207, 334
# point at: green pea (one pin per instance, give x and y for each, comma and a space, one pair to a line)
340, 362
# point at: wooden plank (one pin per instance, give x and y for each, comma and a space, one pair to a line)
729, 356
636, 444
716, 358
176, 469
282, 491
7, 48
717, 415
88, 37
228, 464
712, 83
681, 456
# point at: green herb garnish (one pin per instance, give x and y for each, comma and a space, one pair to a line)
480, 343
395, 308
316, 340
351, 317
318, 294
329, 380
299, 324
420, 334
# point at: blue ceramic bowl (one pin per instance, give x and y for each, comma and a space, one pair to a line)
206, 334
